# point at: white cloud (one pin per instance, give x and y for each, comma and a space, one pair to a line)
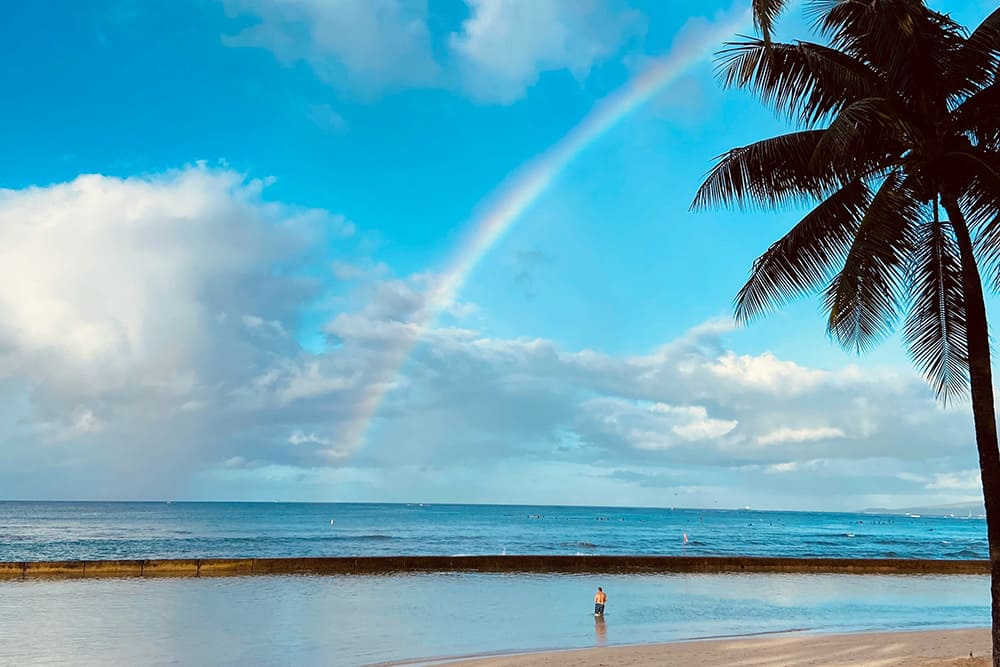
964, 480
326, 446
785, 434
141, 307
373, 46
766, 372
651, 426
146, 339
345, 270
505, 45
367, 46
111, 273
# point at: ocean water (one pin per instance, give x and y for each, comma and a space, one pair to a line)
365, 620
68, 530
346, 621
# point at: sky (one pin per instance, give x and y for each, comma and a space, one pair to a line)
244, 259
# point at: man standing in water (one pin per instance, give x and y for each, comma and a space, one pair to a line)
600, 598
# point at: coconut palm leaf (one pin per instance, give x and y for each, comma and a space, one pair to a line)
979, 116
805, 81
889, 35
979, 58
765, 14
767, 173
912, 110
869, 132
975, 173
935, 330
863, 299
804, 258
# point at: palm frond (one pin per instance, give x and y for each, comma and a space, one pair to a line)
805, 81
765, 15
804, 258
978, 115
863, 299
975, 174
868, 132
979, 57
771, 172
904, 41
935, 330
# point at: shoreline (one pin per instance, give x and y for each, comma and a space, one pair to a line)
523, 564
968, 647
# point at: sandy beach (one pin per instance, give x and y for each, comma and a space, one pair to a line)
942, 648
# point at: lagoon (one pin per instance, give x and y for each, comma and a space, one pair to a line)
362, 620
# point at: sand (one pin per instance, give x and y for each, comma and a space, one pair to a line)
944, 648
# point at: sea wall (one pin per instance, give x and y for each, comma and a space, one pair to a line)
213, 567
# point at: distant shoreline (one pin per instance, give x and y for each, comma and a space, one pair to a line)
212, 567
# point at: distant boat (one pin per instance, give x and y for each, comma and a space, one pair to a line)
913, 516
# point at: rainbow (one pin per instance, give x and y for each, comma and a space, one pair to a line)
516, 196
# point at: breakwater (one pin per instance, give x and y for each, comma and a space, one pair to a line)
213, 567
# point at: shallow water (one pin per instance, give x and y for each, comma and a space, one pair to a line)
55, 531
356, 620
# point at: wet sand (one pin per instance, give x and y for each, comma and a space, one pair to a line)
937, 648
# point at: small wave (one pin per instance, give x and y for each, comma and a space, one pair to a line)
583, 545
823, 543
967, 553
372, 538
848, 534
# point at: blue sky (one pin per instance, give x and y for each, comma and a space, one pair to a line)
220, 219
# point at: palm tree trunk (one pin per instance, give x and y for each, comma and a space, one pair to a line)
983, 409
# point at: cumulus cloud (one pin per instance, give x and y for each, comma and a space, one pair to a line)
649, 426
373, 46
138, 305
148, 338
786, 434
963, 480
367, 46
505, 45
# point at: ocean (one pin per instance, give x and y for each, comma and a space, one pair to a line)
73, 531
349, 621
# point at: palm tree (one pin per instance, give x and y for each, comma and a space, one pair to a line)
899, 150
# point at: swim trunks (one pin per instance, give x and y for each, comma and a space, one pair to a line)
598, 609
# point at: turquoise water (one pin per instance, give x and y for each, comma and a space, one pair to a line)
53, 531
361, 620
